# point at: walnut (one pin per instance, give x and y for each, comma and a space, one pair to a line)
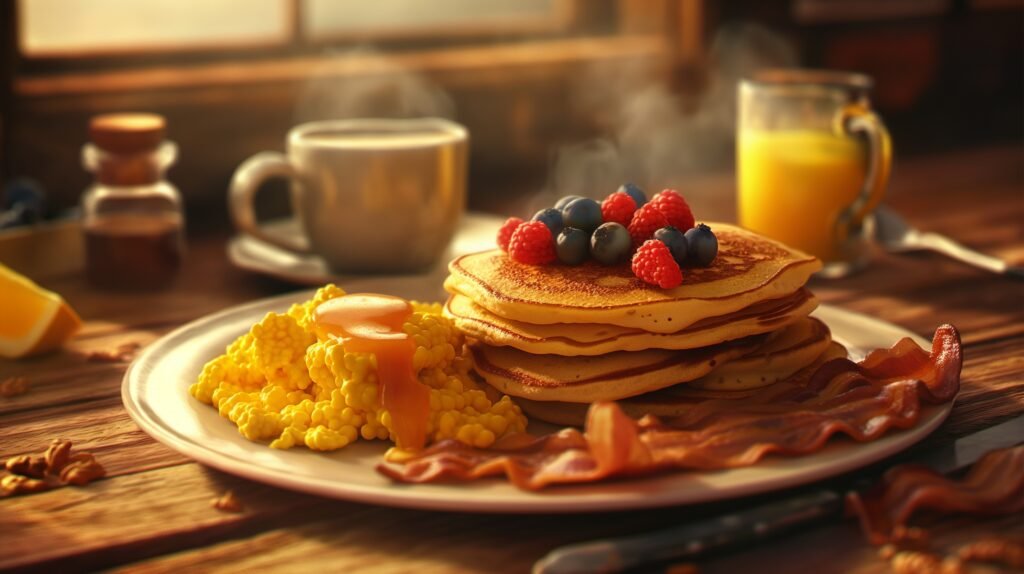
914, 562
57, 455
122, 354
13, 386
911, 562
227, 502
82, 469
999, 550
952, 565
911, 537
13, 484
25, 465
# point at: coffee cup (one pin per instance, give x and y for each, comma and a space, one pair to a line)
371, 195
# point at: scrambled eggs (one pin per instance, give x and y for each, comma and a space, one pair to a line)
280, 382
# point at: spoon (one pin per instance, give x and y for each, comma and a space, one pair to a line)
897, 236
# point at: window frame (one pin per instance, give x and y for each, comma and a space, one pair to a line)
567, 16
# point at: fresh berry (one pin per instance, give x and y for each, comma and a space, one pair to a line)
645, 222
702, 245
653, 263
505, 233
561, 203
618, 207
572, 246
532, 244
582, 213
635, 192
610, 244
674, 240
550, 217
674, 208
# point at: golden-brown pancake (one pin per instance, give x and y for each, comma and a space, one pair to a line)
573, 339
790, 350
614, 376
605, 377
749, 269
668, 402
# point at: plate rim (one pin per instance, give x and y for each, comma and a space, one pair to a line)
548, 501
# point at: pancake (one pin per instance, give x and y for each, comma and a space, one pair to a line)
668, 402
612, 376
792, 349
749, 269
572, 339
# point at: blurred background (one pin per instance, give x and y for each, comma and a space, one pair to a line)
563, 96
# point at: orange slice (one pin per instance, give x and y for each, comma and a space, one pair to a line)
32, 319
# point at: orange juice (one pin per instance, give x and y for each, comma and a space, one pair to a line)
793, 184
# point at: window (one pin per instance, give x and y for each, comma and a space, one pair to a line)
232, 75
52, 28
57, 28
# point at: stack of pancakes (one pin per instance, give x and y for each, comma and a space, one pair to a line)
557, 337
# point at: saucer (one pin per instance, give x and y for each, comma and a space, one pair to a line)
476, 232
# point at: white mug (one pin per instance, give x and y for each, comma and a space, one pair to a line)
371, 195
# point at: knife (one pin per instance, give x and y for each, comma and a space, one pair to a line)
763, 521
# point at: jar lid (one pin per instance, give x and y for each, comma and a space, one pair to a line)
127, 132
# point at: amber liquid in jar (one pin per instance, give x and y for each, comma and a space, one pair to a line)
134, 251
132, 216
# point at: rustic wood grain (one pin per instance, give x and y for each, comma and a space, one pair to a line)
280, 547
152, 513
101, 427
140, 515
839, 547
441, 542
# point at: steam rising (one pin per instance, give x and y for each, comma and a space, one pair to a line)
651, 135
655, 137
362, 83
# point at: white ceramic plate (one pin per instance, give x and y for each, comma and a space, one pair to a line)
155, 394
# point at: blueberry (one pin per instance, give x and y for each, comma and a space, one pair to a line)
702, 245
635, 192
572, 246
561, 203
582, 213
610, 244
675, 241
550, 217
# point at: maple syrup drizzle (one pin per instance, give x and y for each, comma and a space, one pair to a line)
371, 323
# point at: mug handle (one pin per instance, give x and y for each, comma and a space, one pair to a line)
246, 182
853, 119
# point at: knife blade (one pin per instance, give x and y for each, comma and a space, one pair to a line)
762, 521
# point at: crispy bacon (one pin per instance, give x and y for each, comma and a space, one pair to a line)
861, 400
994, 485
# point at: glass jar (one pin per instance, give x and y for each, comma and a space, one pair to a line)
132, 217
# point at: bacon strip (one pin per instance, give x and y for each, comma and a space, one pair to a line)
861, 400
994, 485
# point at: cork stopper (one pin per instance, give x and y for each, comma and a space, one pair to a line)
127, 133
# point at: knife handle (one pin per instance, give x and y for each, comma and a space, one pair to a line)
690, 540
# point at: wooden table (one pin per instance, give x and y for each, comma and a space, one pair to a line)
153, 511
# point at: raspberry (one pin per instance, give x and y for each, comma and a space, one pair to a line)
618, 207
532, 244
645, 222
654, 264
674, 208
505, 233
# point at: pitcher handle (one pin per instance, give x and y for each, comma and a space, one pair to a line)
246, 183
854, 119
